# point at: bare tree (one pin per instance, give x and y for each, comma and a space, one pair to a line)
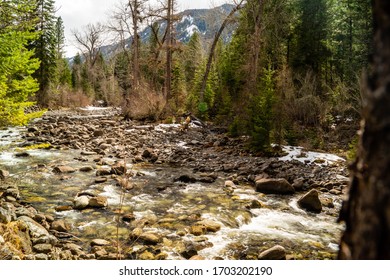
90, 40
367, 212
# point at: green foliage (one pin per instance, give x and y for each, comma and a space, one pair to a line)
45, 46
16, 81
261, 112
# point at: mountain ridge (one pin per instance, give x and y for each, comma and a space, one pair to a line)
205, 22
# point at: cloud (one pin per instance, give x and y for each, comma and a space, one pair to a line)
79, 13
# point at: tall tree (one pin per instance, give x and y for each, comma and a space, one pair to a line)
16, 62
45, 48
310, 52
237, 7
367, 212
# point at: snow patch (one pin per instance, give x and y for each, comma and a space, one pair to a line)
297, 153
191, 30
188, 18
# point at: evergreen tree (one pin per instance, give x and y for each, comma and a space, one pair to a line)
16, 62
311, 34
45, 47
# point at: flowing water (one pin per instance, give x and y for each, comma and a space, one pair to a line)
169, 207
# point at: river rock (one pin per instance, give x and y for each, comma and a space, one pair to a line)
197, 230
146, 256
6, 216
197, 258
100, 242
274, 186
80, 202
185, 178
150, 238
3, 174
41, 257
86, 169
61, 226
62, 208
118, 169
98, 133
22, 154
36, 230
12, 192
98, 202
61, 169
103, 171
43, 248
209, 225
311, 202
275, 253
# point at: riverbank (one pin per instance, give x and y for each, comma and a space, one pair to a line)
215, 199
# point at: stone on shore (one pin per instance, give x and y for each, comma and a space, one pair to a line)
274, 186
275, 253
311, 202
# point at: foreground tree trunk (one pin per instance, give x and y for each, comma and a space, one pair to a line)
367, 212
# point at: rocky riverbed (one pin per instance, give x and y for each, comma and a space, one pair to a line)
85, 184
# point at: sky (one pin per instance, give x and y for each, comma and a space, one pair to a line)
79, 13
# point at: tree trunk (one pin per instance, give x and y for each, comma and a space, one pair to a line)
212, 50
135, 7
367, 212
168, 78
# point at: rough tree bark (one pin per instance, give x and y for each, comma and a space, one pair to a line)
367, 212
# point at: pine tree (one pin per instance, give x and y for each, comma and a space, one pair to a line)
45, 47
16, 62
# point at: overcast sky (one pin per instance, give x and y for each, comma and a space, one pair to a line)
78, 13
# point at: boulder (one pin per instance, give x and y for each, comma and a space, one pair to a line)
275, 253
36, 230
274, 186
61, 169
98, 202
311, 202
81, 202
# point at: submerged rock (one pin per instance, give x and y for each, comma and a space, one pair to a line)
63, 169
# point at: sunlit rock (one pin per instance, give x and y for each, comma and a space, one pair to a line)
274, 186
